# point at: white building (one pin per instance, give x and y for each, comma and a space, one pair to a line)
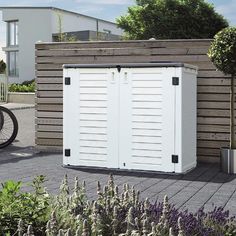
28, 25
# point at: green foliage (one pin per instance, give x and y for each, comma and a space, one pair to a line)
24, 87
171, 19
33, 208
2, 66
223, 51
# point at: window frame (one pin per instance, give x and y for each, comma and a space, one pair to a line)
16, 64
15, 33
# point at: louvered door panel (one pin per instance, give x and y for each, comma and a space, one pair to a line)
93, 86
145, 121
96, 138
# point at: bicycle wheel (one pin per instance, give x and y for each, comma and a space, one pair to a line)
8, 127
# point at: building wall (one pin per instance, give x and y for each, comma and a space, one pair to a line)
73, 22
103, 25
32, 27
37, 24
88, 35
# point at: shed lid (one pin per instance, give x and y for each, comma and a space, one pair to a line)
132, 65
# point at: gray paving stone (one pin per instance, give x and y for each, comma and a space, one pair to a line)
204, 185
193, 187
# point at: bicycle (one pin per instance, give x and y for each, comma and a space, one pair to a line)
8, 127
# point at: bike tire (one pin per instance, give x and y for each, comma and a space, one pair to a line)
15, 127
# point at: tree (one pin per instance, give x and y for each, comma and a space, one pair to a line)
171, 19
61, 36
2, 66
223, 55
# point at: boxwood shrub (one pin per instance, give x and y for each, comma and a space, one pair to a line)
26, 86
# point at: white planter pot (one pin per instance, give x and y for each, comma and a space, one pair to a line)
228, 160
25, 98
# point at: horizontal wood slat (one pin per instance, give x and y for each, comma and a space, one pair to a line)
210, 159
212, 144
48, 121
213, 128
208, 151
49, 87
213, 89
48, 148
49, 114
192, 43
49, 128
213, 86
49, 80
214, 82
213, 105
213, 120
50, 135
120, 52
49, 107
58, 72
213, 136
49, 100
213, 113
206, 65
128, 58
49, 142
47, 94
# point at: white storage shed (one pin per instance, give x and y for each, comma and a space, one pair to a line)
138, 116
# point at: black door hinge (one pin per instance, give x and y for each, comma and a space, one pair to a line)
175, 159
67, 152
175, 80
67, 80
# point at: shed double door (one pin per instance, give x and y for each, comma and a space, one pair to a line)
120, 119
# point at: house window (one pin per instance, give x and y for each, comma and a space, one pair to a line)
13, 69
12, 28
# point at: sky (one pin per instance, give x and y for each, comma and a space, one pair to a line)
104, 9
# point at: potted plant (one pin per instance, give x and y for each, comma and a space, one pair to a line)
222, 53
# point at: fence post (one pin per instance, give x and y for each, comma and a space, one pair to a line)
3, 88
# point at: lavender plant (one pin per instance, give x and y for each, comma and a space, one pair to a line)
121, 213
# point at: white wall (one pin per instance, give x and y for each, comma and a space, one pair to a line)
2, 53
72, 22
34, 25
2, 38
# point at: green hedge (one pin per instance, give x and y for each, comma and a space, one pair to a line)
26, 86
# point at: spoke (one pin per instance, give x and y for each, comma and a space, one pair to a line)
6, 127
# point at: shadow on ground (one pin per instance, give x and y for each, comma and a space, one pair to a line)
203, 172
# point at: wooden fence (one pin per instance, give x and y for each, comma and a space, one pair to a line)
213, 86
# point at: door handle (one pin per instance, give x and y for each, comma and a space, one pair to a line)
113, 79
126, 81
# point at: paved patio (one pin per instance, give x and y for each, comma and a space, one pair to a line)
204, 186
